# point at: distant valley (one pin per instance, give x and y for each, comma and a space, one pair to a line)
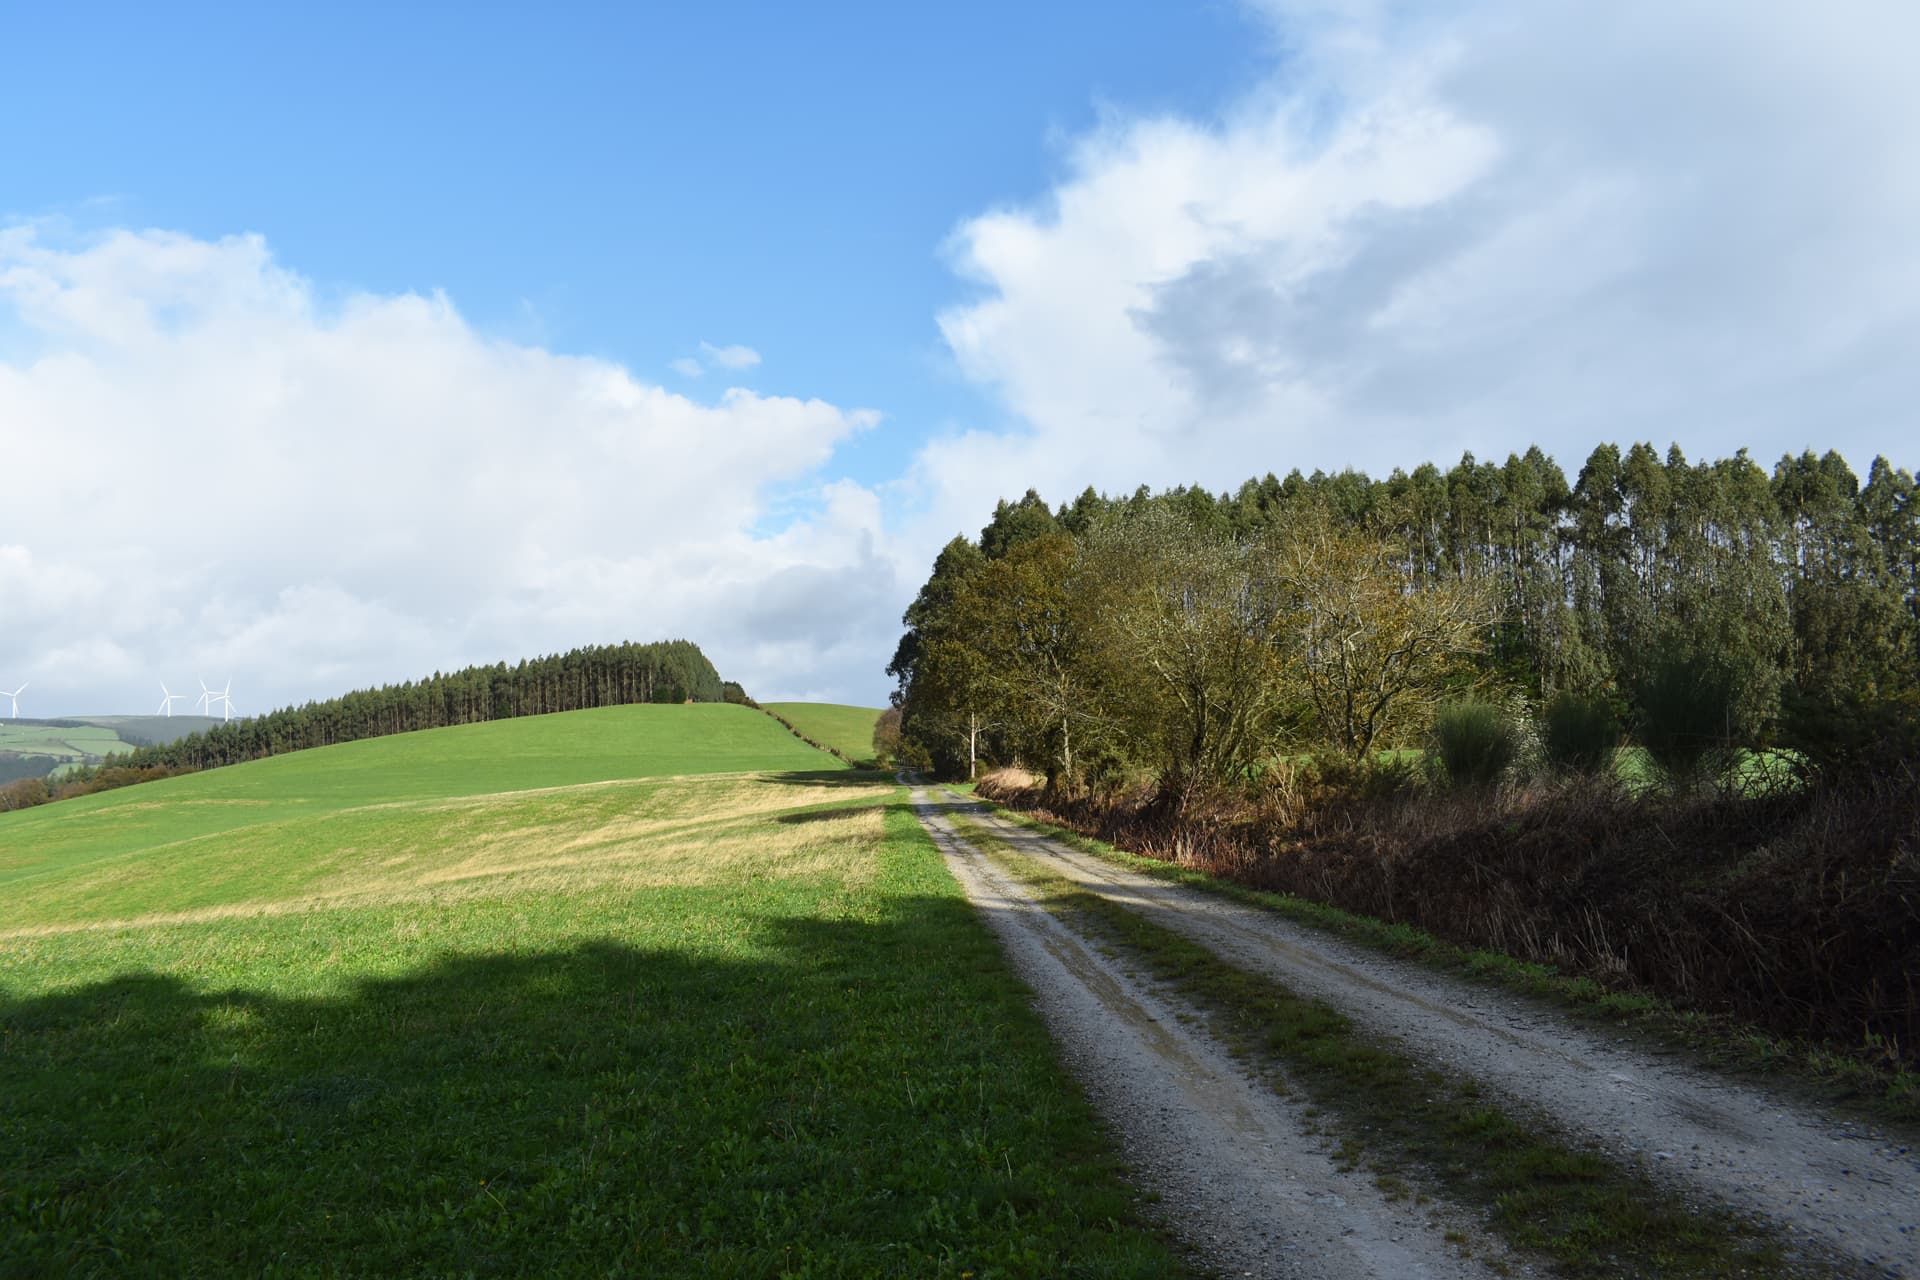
41, 748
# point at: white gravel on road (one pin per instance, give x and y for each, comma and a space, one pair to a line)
1241, 1179
1834, 1185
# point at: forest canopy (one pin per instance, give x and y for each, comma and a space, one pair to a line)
1197, 636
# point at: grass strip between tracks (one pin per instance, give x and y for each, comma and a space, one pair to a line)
1408, 1123
1887, 1096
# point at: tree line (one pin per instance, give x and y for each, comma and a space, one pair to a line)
595, 676
1201, 635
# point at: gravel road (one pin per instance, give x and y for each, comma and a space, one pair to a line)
1834, 1186
1241, 1179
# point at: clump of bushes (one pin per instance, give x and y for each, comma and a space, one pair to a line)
1853, 734
1475, 744
23, 793
1579, 735
1331, 779
1683, 718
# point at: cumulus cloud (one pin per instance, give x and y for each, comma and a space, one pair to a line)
213, 473
1479, 224
1473, 226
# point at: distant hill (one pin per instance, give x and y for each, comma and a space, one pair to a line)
151, 731
283, 825
661, 672
147, 748
848, 730
278, 821
40, 748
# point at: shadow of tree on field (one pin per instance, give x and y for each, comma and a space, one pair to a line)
830, 777
842, 1102
800, 817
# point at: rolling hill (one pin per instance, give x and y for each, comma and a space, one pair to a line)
647, 988
848, 730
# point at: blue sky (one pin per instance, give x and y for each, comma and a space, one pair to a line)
619, 180
341, 346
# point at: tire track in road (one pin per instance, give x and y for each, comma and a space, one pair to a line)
1239, 1176
1830, 1184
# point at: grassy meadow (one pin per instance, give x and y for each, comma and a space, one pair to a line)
30, 749
848, 730
645, 990
94, 736
70, 743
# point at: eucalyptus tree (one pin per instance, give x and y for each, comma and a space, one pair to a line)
1016, 522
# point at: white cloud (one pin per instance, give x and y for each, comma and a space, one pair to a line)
719, 357
733, 357
210, 473
1472, 226
1475, 225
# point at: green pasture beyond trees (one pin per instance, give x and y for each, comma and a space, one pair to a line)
75, 738
62, 742
645, 990
37, 748
846, 729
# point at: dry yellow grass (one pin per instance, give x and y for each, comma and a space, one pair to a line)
658, 832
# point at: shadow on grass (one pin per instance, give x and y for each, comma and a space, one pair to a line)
848, 1101
829, 777
800, 817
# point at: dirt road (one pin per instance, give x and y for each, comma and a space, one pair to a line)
1240, 1179
1840, 1189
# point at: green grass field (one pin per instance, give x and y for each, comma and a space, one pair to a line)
646, 990
31, 749
64, 744
846, 729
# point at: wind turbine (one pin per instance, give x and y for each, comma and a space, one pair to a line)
167, 699
209, 699
15, 695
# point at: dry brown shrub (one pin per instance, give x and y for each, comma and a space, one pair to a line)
1006, 782
1798, 912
